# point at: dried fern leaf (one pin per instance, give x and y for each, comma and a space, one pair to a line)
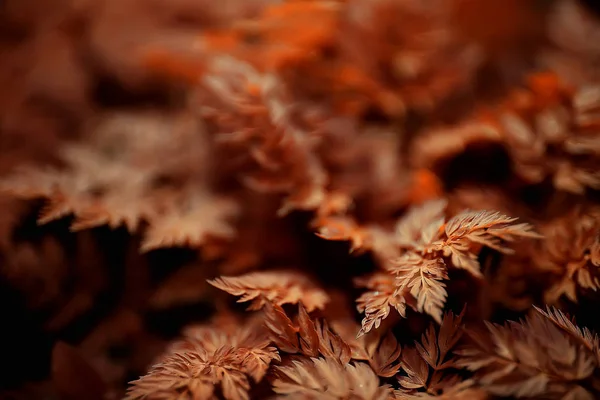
548, 127
588, 338
307, 333
189, 224
461, 391
112, 178
427, 247
380, 349
410, 229
539, 356
428, 365
568, 253
281, 148
342, 228
422, 279
331, 345
207, 358
486, 228
308, 337
383, 353
377, 302
319, 378
278, 287
417, 371
283, 331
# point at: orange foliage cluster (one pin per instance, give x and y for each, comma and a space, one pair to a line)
384, 183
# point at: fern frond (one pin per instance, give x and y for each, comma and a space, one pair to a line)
377, 302
320, 378
429, 364
422, 278
207, 359
278, 287
543, 355
191, 222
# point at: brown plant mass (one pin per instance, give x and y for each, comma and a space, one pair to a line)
300, 199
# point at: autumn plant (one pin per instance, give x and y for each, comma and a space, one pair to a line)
303, 199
